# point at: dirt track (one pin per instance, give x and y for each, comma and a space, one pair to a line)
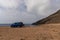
42, 32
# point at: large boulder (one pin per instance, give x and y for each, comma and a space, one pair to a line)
17, 24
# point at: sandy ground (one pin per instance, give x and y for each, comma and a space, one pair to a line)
42, 32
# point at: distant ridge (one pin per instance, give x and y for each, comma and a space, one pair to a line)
54, 18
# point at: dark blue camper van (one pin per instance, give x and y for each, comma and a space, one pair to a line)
17, 24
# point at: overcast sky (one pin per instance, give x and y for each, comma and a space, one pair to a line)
27, 11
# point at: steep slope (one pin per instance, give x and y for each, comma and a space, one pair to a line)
54, 18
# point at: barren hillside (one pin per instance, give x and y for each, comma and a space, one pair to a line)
52, 19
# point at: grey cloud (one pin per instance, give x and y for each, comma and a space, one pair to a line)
28, 12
